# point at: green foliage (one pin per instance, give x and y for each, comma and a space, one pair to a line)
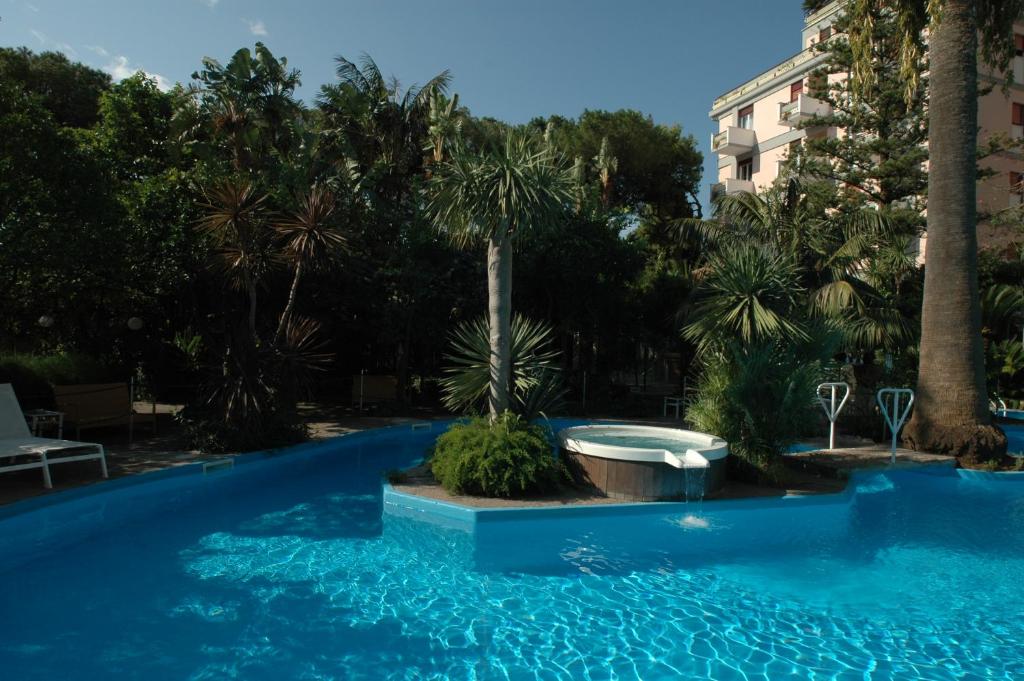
504, 458
760, 398
750, 292
33, 376
657, 168
506, 193
881, 160
536, 381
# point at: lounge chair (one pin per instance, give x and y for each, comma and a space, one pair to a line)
18, 443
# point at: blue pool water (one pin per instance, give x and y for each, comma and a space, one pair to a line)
1015, 438
286, 568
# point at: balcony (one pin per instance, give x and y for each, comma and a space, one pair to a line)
731, 185
733, 141
801, 109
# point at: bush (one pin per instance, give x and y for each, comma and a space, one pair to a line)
759, 399
33, 376
209, 432
507, 458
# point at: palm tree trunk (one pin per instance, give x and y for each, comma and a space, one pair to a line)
951, 410
290, 305
499, 308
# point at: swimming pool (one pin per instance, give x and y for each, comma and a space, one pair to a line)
284, 567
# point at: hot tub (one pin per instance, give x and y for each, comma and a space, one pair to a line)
645, 463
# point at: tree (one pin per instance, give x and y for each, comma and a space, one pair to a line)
496, 197
311, 241
880, 159
658, 168
951, 413
832, 251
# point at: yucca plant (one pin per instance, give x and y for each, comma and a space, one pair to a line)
494, 198
537, 386
311, 240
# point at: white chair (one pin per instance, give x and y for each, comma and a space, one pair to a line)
17, 442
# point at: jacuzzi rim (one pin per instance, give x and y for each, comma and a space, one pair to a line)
573, 439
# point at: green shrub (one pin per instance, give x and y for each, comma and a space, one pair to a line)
507, 458
760, 399
207, 431
33, 376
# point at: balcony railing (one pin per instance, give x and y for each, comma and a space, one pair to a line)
733, 141
801, 109
731, 185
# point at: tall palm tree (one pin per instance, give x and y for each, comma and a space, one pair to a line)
495, 197
951, 413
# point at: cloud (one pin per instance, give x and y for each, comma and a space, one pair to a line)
256, 27
48, 43
210, 3
120, 67
98, 50
30, 7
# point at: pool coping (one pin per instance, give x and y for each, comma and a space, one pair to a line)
448, 512
197, 467
447, 509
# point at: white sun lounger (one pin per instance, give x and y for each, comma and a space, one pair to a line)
18, 443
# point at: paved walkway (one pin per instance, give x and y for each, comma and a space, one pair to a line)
166, 449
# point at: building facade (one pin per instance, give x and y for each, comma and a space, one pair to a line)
758, 125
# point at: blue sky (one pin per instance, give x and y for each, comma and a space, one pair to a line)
510, 59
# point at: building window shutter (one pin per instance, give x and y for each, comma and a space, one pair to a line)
1018, 114
795, 90
1018, 44
745, 117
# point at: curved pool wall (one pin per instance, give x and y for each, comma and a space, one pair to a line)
292, 565
644, 463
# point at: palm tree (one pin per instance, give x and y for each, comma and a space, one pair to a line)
830, 251
951, 413
495, 197
235, 219
310, 242
248, 104
382, 125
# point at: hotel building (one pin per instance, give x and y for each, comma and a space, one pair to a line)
758, 125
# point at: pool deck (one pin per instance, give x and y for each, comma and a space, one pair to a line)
167, 448
819, 472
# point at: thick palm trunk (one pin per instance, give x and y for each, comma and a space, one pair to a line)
951, 411
499, 308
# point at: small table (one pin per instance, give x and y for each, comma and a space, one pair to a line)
35, 417
672, 402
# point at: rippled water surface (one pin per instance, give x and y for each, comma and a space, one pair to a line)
288, 570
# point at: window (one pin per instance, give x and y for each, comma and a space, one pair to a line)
1016, 189
1018, 114
745, 117
824, 34
1018, 44
795, 90
745, 169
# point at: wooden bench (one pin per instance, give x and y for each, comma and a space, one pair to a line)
372, 389
95, 405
